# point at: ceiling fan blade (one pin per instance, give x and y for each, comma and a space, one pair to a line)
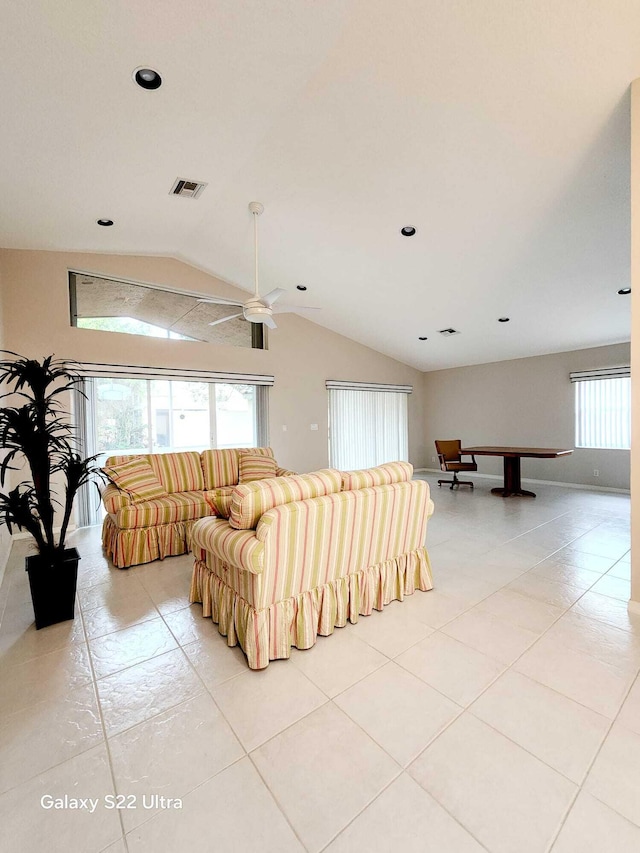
287, 309
224, 319
272, 296
215, 300
269, 321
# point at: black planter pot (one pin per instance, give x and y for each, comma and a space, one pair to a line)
53, 586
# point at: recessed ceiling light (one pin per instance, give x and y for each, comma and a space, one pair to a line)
422, 339
624, 291
147, 78
408, 231
301, 287
503, 319
105, 222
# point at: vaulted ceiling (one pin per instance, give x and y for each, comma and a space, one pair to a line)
499, 130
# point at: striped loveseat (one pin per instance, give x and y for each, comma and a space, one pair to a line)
301, 555
137, 531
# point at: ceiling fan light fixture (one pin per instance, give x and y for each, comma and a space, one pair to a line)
408, 231
421, 338
106, 223
624, 291
147, 78
258, 309
503, 319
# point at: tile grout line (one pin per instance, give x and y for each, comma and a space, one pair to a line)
509, 667
104, 734
275, 799
237, 737
153, 716
380, 793
581, 787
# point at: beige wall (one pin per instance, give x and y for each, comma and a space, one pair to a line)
527, 402
635, 342
301, 355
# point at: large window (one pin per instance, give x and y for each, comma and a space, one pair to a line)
603, 408
160, 416
120, 415
367, 425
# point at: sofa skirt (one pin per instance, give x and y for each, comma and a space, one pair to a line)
131, 547
269, 634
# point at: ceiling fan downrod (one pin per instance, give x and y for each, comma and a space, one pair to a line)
256, 209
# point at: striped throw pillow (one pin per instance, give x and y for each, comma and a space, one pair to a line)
138, 479
255, 467
383, 475
220, 501
178, 472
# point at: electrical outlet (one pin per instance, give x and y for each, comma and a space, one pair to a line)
596, 472
314, 426
433, 458
284, 427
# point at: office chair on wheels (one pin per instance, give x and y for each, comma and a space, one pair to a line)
450, 460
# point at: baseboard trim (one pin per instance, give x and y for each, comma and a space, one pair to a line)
584, 486
56, 530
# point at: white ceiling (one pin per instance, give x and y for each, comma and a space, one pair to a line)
500, 130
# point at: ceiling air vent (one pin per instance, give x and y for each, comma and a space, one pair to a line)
187, 189
448, 332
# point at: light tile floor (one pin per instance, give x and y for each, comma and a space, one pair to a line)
499, 712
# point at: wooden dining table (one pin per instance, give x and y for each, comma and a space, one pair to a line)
512, 456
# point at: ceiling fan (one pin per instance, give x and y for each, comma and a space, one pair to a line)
258, 309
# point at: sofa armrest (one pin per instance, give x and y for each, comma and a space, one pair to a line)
114, 499
284, 472
239, 548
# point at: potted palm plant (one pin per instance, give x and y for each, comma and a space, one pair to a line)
37, 437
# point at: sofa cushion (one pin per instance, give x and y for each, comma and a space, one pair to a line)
220, 467
251, 500
220, 501
137, 478
182, 506
382, 475
178, 472
253, 466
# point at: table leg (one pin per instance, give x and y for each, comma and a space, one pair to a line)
512, 484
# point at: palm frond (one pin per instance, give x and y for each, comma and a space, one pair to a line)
19, 508
39, 431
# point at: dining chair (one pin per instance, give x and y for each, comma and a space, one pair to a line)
449, 453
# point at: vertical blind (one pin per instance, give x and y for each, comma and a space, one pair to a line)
367, 427
88, 499
603, 408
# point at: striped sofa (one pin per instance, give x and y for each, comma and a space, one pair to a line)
136, 532
301, 555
